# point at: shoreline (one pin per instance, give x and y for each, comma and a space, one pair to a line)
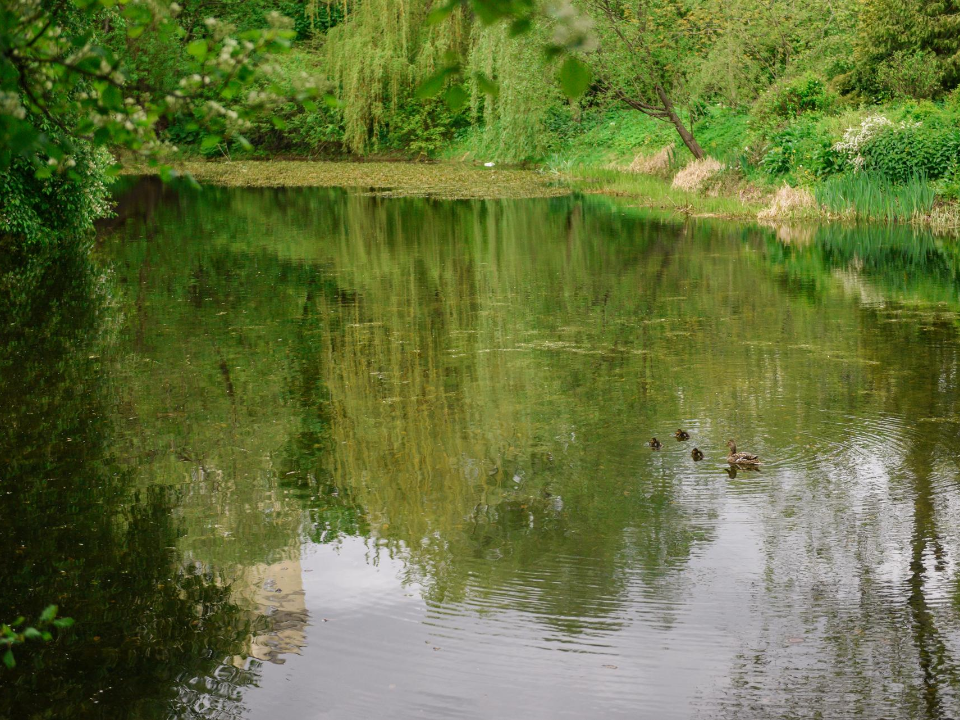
453, 180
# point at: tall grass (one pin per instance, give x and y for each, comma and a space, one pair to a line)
870, 196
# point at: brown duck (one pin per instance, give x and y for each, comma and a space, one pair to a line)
740, 458
681, 435
655, 444
696, 454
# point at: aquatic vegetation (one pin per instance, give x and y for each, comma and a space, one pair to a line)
870, 196
441, 180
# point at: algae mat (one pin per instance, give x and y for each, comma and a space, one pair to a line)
440, 180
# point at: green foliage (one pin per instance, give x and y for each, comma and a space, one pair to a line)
871, 196
790, 99
902, 152
18, 633
800, 146
915, 74
423, 128
63, 204
908, 47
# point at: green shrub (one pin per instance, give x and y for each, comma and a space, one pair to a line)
801, 145
911, 75
948, 186
422, 127
786, 100
902, 152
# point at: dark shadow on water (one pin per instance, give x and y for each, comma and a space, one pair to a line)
149, 626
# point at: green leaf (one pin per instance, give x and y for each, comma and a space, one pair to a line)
487, 86
278, 123
111, 97
519, 27
31, 633
455, 97
574, 77
434, 84
332, 102
8, 659
209, 142
197, 49
438, 15
63, 622
488, 12
48, 614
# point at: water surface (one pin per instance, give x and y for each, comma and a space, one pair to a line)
320, 454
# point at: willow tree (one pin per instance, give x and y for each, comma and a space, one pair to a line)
639, 57
513, 117
385, 51
380, 54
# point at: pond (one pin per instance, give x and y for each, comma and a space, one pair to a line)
319, 453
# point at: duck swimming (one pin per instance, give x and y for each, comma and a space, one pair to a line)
740, 458
681, 435
655, 444
696, 454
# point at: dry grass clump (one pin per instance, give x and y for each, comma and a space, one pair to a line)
440, 180
796, 235
789, 202
657, 164
942, 218
696, 174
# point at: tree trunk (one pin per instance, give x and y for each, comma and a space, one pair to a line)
692, 145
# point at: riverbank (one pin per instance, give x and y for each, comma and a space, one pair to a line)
722, 194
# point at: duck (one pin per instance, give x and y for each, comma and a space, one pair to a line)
696, 454
655, 444
740, 458
681, 435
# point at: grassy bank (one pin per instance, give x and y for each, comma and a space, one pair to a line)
815, 159
799, 152
721, 194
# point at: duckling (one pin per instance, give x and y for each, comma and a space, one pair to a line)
740, 458
681, 435
696, 455
655, 444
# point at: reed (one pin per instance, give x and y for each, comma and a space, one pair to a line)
869, 196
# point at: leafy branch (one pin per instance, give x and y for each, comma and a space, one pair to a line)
18, 633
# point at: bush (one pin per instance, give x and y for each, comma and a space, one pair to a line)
786, 100
909, 150
422, 127
911, 75
801, 145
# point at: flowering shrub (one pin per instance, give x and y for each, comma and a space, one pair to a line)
856, 138
900, 151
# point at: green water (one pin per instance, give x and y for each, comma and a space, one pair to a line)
318, 454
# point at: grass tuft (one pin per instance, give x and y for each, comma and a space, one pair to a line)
869, 196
